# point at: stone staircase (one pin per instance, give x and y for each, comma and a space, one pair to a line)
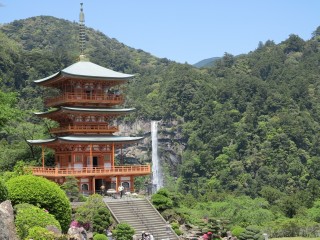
142, 216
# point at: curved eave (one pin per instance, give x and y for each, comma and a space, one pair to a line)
116, 111
88, 139
46, 79
41, 141
86, 70
99, 139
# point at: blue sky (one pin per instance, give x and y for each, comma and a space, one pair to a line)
182, 30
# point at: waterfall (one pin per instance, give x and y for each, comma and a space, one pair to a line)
157, 179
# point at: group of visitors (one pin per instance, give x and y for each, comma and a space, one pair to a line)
120, 190
146, 236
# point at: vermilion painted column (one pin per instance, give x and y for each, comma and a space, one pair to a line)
42, 156
112, 157
94, 185
132, 184
91, 157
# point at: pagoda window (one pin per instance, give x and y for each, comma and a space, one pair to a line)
78, 119
96, 148
85, 187
101, 119
78, 158
78, 86
91, 119
108, 148
107, 158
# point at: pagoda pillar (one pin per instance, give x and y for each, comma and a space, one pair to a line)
91, 157
117, 183
93, 185
42, 154
131, 184
112, 157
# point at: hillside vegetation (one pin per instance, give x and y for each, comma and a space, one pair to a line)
250, 123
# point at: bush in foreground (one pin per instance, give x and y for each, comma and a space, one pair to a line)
40, 233
43, 193
28, 216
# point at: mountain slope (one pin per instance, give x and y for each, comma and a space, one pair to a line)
206, 62
247, 122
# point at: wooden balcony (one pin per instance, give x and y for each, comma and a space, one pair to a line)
76, 129
85, 99
135, 170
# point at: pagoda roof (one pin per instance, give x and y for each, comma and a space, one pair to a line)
87, 139
86, 69
88, 110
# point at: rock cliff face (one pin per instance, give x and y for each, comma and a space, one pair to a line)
7, 227
170, 144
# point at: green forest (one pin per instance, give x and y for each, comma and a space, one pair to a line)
250, 123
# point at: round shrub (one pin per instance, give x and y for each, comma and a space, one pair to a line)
100, 237
101, 220
40, 233
43, 193
123, 231
161, 202
251, 232
28, 216
3, 191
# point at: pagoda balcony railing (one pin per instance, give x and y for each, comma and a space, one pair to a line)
86, 129
85, 99
138, 170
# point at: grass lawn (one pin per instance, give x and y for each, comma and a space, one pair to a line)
295, 238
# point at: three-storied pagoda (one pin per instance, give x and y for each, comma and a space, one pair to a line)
85, 141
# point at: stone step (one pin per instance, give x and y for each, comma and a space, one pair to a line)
142, 216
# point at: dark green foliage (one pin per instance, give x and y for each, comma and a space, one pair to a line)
123, 231
3, 191
94, 212
295, 227
28, 216
175, 226
251, 232
249, 125
101, 220
43, 193
161, 200
100, 237
70, 187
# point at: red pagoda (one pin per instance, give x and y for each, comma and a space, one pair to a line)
85, 141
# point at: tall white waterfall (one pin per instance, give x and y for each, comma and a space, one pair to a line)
157, 178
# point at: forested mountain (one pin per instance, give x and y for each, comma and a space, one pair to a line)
250, 124
209, 62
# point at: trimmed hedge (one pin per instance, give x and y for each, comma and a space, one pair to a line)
123, 231
43, 193
28, 216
